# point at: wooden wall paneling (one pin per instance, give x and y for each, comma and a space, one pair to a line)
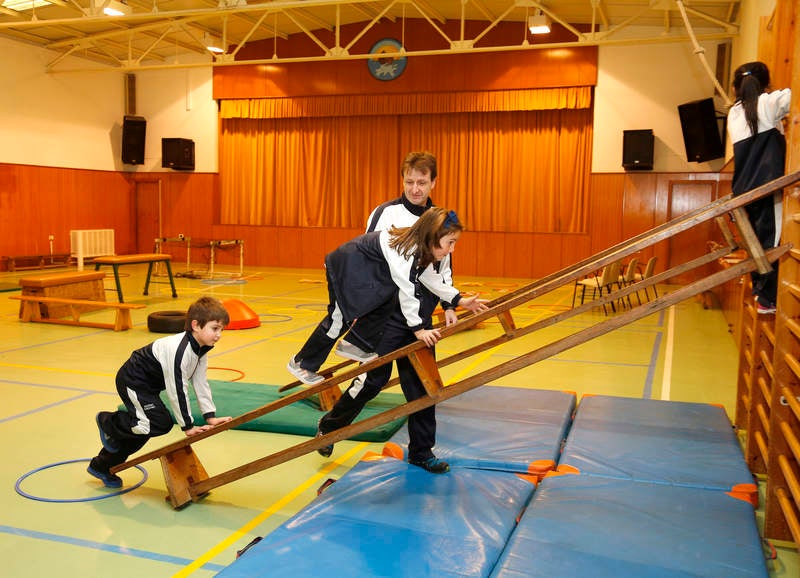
575, 247
548, 253
313, 248
685, 196
605, 211
521, 256
30, 196
254, 79
289, 249
638, 205
465, 257
333, 238
266, 246
490, 254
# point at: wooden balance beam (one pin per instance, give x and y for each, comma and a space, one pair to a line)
32, 313
187, 480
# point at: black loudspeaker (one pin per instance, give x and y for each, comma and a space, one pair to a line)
133, 129
177, 153
637, 149
701, 133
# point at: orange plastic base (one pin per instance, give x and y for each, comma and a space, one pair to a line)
242, 317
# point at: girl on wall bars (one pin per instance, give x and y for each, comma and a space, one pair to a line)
759, 156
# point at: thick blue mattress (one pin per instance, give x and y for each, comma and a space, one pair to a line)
585, 526
669, 442
386, 518
501, 428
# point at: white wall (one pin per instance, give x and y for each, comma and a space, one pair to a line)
640, 87
74, 119
178, 103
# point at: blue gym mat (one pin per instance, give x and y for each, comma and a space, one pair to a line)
387, 518
509, 429
585, 526
668, 442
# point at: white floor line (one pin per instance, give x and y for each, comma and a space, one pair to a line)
666, 378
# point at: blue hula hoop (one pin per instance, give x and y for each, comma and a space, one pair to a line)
21, 492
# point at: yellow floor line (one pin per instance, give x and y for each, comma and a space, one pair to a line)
483, 357
59, 369
220, 547
669, 348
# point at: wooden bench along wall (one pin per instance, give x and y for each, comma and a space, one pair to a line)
31, 311
69, 285
61, 298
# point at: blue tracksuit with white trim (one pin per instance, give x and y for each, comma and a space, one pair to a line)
169, 364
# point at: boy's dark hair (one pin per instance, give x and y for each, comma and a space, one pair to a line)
419, 239
206, 309
423, 161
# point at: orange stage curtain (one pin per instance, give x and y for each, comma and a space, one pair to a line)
437, 102
505, 171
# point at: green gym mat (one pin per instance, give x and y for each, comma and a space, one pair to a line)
300, 418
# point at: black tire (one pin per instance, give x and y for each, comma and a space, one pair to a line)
166, 321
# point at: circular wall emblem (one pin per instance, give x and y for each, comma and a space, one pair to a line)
387, 64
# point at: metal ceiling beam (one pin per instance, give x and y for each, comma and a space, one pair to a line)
145, 40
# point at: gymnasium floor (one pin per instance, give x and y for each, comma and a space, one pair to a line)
54, 379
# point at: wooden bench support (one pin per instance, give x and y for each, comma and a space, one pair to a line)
329, 397
424, 364
31, 311
182, 469
507, 321
726, 232
751, 242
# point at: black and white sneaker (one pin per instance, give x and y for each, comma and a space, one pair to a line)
349, 351
305, 375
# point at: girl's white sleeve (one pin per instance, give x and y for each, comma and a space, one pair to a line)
400, 269
772, 107
436, 284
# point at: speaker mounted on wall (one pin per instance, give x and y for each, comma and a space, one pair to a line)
133, 133
637, 149
701, 132
177, 153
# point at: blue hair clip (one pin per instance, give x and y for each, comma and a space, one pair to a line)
451, 219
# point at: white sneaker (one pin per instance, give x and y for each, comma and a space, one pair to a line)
304, 375
349, 351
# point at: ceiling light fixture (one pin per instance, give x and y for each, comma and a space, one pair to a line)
21, 5
115, 8
213, 44
539, 23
